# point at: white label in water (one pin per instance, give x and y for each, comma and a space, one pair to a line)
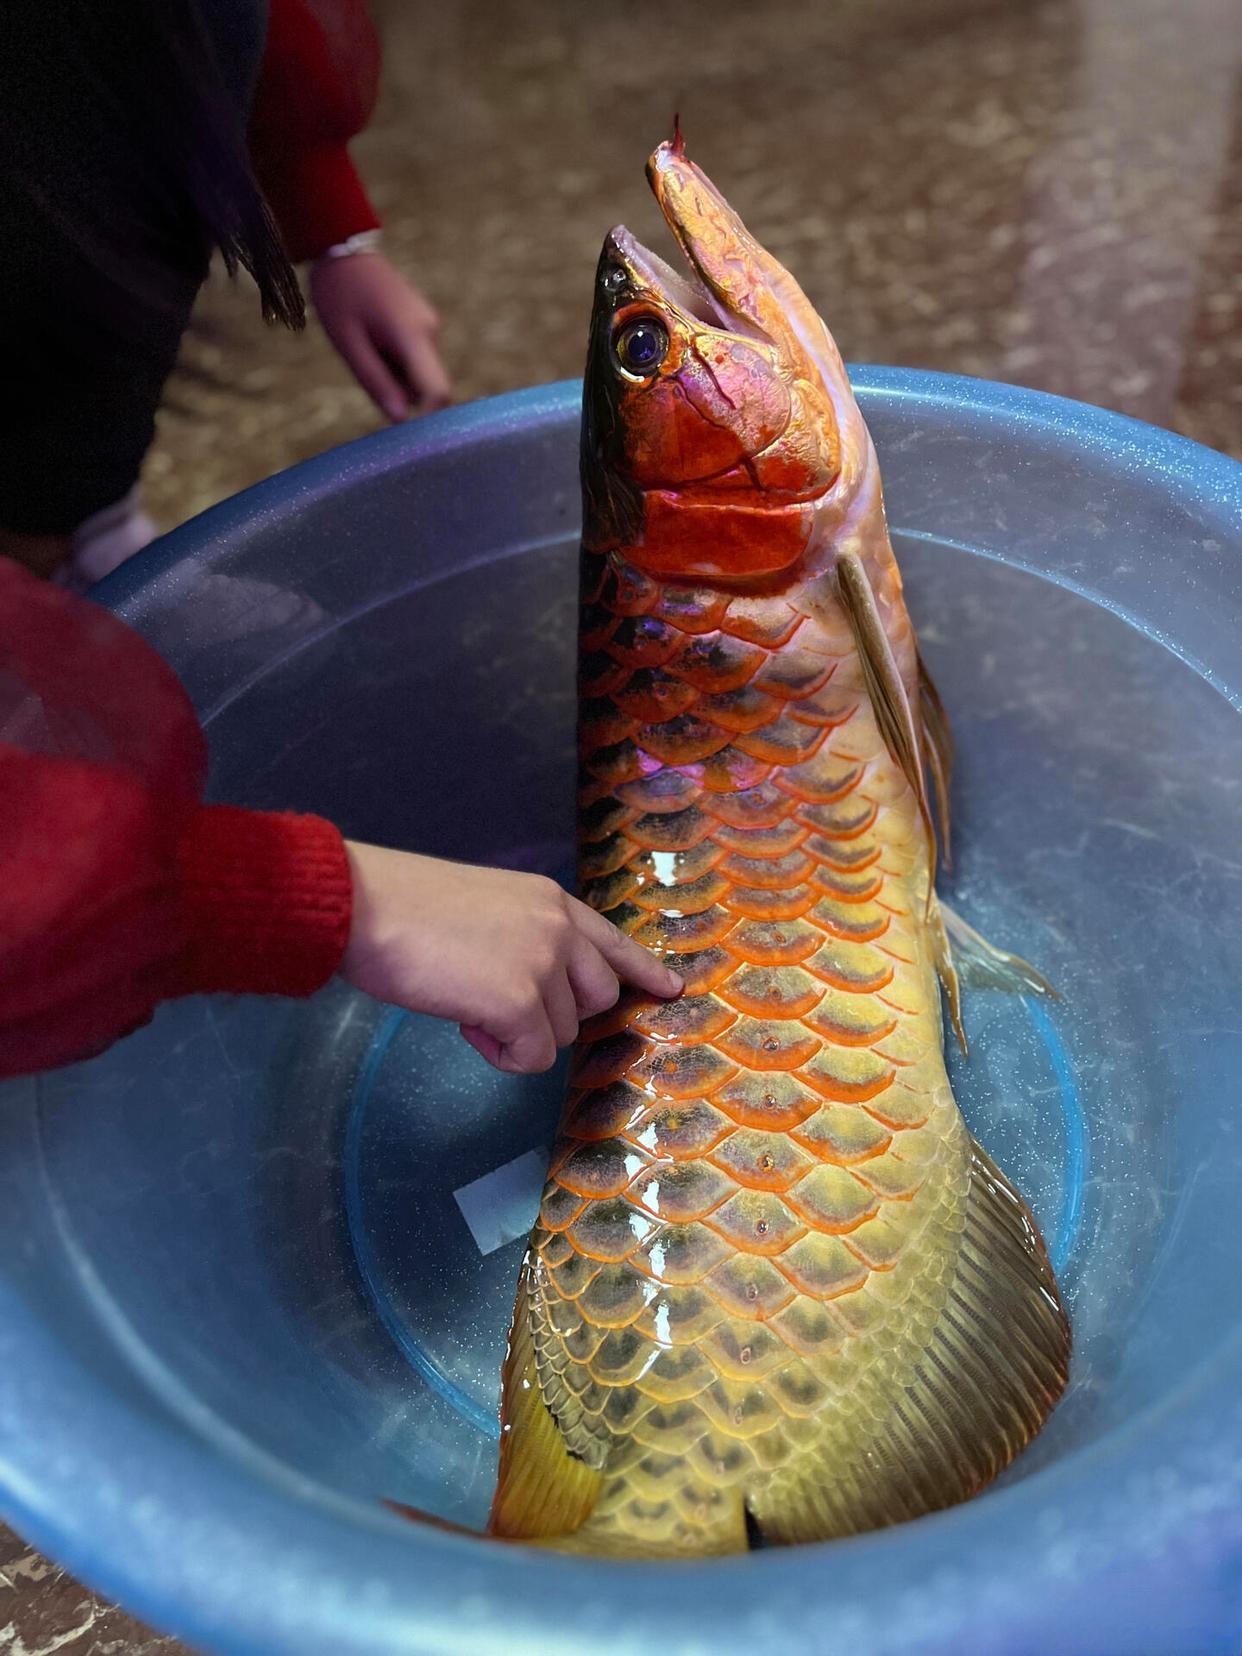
502, 1205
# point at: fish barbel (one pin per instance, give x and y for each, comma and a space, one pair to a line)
774, 1284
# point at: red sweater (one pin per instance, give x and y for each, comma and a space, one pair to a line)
118, 887
316, 91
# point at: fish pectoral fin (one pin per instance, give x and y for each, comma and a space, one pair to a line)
946, 969
542, 1490
983, 966
992, 1369
938, 751
888, 696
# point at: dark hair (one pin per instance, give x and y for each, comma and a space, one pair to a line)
125, 128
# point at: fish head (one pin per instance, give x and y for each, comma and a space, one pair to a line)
713, 400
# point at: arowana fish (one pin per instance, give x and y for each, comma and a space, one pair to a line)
775, 1287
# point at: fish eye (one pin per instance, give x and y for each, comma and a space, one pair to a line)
642, 346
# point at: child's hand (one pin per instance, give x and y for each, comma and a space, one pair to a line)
385, 330
509, 957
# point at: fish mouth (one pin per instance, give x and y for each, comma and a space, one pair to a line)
705, 230
648, 276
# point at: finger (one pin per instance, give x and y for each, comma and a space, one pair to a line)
487, 1046
532, 1053
562, 1010
425, 376
373, 374
628, 959
593, 980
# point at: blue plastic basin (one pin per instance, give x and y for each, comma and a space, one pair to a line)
250, 1281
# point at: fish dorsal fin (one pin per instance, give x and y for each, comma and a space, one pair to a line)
888, 696
987, 1376
542, 1489
938, 752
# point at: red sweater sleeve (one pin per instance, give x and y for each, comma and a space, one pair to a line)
120, 887
316, 90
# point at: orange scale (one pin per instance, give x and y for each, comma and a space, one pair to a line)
680, 1073
683, 740
819, 783
602, 818
622, 762
755, 903
739, 710
628, 592
772, 992
651, 694
847, 857
762, 842
854, 1033
606, 1061
844, 888
835, 979
796, 674
603, 1025
715, 664
670, 830
607, 891
689, 1018
847, 821
896, 1119
704, 969
858, 1084
666, 933
784, 742
772, 1102
663, 791
644, 641
760, 806
851, 925
605, 857
757, 1222
598, 1170
773, 943
600, 725
687, 897
825, 719
768, 1044
772, 872
732, 772
687, 609
603, 1112
762, 621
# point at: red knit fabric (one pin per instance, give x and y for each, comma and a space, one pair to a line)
266, 899
316, 91
118, 887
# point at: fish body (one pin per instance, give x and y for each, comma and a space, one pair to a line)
774, 1284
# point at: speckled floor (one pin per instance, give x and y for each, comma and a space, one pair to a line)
1043, 191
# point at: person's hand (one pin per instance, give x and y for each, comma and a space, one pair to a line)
511, 958
384, 329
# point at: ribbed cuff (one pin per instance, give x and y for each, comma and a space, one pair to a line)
318, 199
266, 902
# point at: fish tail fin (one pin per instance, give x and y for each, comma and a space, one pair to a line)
542, 1490
992, 1370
